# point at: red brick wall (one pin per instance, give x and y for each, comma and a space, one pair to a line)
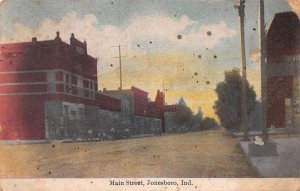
22, 117
279, 88
108, 103
140, 99
23, 77
46, 55
59, 76
22, 82
282, 37
60, 87
23, 88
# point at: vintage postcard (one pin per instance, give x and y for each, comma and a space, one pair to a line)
150, 95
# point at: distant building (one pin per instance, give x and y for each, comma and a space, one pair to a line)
181, 102
135, 102
47, 87
283, 71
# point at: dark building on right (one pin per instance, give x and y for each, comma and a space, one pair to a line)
283, 76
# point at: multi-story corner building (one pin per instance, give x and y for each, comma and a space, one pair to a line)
283, 71
46, 87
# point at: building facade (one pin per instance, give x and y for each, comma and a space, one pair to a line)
136, 107
283, 76
46, 87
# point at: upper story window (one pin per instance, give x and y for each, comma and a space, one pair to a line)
59, 76
295, 58
67, 78
92, 95
74, 80
79, 50
80, 83
86, 84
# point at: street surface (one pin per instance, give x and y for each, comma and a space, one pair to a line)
211, 153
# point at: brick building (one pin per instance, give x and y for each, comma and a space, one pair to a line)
283, 66
136, 104
43, 79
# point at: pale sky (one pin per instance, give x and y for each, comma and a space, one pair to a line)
163, 39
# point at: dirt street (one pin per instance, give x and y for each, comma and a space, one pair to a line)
212, 153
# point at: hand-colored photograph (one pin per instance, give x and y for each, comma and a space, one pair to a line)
149, 89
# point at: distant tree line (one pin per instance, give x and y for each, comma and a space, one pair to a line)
184, 116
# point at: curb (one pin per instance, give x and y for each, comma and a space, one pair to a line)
249, 161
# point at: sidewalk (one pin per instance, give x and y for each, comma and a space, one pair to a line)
286, 165
270, 132
23, 142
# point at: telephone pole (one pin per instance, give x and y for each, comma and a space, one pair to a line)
164, 91
241, 10
263, 71
120, 60
120, 63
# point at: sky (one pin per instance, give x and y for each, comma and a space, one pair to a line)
182, 45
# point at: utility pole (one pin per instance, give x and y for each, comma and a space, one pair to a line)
263, 72
164, 91
120, 63
241, 10
120, 60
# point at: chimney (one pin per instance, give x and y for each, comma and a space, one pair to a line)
57, 36
72, 39
85, 47
34, 40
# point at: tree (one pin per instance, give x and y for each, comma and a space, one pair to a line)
209, 123
199, 114
228, 104
197, 119
254, 117
183, 114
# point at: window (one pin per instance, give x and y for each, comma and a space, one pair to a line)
66, 110
92, 95
74, 80
80, 83
86, 84
73, 114
59, 76
67, 78
51, 76
80, 50
68, 88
